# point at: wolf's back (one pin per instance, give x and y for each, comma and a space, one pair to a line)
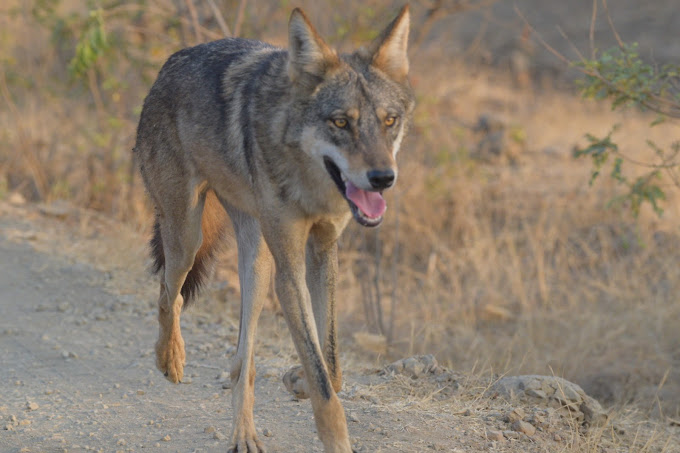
200, 94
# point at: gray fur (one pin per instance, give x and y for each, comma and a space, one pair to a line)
279, 138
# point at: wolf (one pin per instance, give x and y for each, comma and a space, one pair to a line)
288, 145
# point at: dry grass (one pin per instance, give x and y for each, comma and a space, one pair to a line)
506, 264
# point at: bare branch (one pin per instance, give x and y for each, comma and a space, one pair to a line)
593, 17
571, 44
540, 39
220, 19
194, 20
239, 18
619, 41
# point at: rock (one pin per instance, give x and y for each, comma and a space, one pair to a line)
16, 199
58, 208
540, 419
415, 367
554, 390
514, 415
219, 436
267, 433
523, 427
496, 436
32, 406
511, 435
209, 430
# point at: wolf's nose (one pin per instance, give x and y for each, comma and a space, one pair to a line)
381, 179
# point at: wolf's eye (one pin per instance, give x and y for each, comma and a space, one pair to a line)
390, 120
340, 123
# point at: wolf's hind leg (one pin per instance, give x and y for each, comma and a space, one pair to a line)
181, 234
254, 268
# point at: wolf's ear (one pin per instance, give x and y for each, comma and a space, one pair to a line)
389, 49
310, 58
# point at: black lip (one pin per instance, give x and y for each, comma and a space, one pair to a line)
336, 176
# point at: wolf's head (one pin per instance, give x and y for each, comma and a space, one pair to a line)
355, 110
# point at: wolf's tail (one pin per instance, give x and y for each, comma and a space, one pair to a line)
213, 228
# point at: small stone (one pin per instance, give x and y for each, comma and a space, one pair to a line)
141, 392
209, 430
510, 435
524, 427
267, 433
121, 442
219, 436
58, 208
226, 385
223, 376
24, 422
437, 447
353, 418
12, 419
557, 437
496, 436
9, 427
32, 406
514, 415
167, 438
415, 367
16, 199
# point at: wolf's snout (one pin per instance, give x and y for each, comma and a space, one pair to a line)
381, 179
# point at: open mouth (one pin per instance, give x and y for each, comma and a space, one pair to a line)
367, 206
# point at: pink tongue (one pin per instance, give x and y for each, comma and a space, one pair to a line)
372, 204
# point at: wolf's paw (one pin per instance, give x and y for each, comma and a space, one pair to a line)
243, 442
170, 357
296, 383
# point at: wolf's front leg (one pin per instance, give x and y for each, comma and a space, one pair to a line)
287, 244
322, 270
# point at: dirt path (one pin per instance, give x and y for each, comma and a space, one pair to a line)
77, 328
78, 369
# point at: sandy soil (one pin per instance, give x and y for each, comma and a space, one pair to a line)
77, 328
